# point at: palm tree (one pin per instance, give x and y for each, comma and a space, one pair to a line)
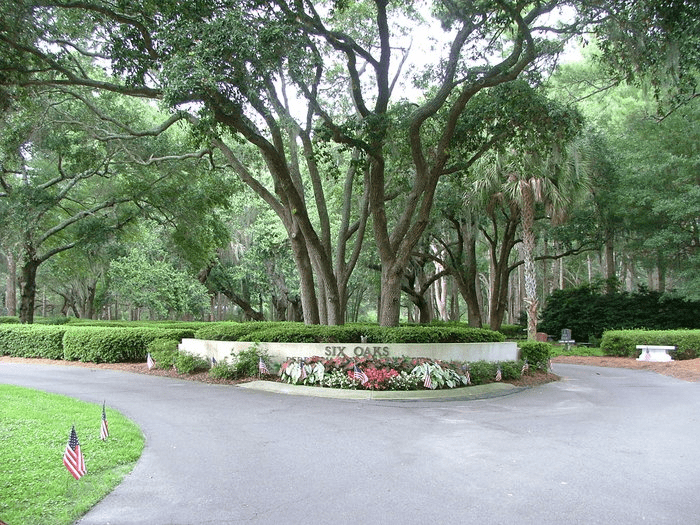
525, 180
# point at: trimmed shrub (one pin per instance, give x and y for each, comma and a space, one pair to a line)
537, 353
284, 332
624, 342
163, 352
32, 341
9, 319
513, 331
114, 345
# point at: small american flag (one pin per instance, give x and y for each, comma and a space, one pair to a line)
469, 378
359, 375
262, 367
149, 361
104, 431
303, 371
428, 381
499, 374
647, 355
213, 361
526, 367
73, 456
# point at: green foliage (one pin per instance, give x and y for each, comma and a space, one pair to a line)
246, 361
151, 282
186, 363
8, 319
114, 345
624, 342
224, 370
163, 352
536, 353
587, 312
287, 332
513, 331
32, 341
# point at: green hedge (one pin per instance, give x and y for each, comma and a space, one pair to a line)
20, 340
286, 332
537, 353
624, 342
114, 345
8, 319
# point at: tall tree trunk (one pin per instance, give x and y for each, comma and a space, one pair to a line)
309, 300
11, 285
28, 289
528, 249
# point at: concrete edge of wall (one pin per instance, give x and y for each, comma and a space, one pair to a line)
469, 352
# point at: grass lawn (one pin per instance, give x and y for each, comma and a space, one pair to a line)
35, 486
577, 350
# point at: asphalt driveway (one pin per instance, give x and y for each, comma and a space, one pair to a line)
604, 445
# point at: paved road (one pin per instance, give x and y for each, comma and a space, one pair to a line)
604, 445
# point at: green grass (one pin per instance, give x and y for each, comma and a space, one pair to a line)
577, 350
35, 486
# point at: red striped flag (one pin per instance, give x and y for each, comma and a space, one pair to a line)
149, 361
73, 457
359, 375
262, 367
499, 374
303, 370
104, 430
428, 381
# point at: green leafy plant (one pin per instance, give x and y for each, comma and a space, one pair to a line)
536, 353
224, 370
187, 363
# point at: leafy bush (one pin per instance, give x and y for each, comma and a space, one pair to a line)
224, 370
246, 362
287, 332
536, 353
114, 345
186, 363
9, 319
163, 352
32, 341
588, 312
513, 331
624, 342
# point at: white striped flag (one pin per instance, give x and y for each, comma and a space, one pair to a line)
303, 370
469, 378
428, 381
499, 374
149, 361
359, 375
213, 361
262, 367
104, 430
73, 456
526, 367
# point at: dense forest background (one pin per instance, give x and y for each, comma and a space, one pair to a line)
327, 162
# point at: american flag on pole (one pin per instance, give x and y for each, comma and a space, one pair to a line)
73, 456
469, 378
213, 361
149, 361
525, 368
359, 375
428, 381
262, 367
499, 374
303, 370
104, 430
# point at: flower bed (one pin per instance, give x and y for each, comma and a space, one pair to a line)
395, 373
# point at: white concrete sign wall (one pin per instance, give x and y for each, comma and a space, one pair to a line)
469, 352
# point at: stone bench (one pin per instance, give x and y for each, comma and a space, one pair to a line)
655, 353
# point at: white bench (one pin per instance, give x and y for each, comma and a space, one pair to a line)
655, 353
